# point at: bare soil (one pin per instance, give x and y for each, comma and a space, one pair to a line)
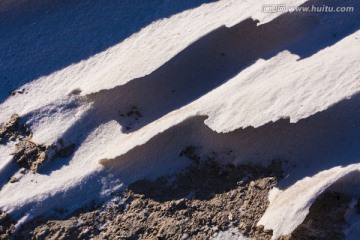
197, 203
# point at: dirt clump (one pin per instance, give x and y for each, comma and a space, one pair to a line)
191, 152
29, 155
14, 130
131, 117
7, 226
63, 151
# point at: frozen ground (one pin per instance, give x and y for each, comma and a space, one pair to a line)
132, 84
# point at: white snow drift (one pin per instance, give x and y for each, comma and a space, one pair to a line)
222, 75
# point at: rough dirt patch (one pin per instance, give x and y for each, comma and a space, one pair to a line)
197, 203
14, 130
326, 219
7, 226
29, 155
200, 202
131, 117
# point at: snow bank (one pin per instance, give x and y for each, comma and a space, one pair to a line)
298, 198
222, 76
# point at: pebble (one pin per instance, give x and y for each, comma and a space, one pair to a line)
184, 236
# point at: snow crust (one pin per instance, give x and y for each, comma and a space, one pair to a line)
221, 75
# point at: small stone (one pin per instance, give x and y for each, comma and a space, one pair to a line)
13, 179
260, 228
184, 236
66, 151
232, 193
252, 184
242, 224
262, 184
136, 203
180, 204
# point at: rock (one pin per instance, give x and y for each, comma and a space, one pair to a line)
242, 225
185, 236
260, 228
180, 204
66, 151
37, 163
13, 179
76, 91
245, 229
191, 153
4, 236
13, 129
262, 183
7, 225
29, 155
137, 203
232, 193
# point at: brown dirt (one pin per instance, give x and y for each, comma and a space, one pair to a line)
28, 155
7, 226
197, 203
14, 130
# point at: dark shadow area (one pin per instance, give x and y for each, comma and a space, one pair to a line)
203, 181
42, 36
7, 172
326, 218
320, 142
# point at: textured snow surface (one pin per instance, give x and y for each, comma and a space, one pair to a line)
218, 74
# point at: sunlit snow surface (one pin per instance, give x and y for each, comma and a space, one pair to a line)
218, 74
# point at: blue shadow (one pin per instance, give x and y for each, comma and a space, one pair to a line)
40, 37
